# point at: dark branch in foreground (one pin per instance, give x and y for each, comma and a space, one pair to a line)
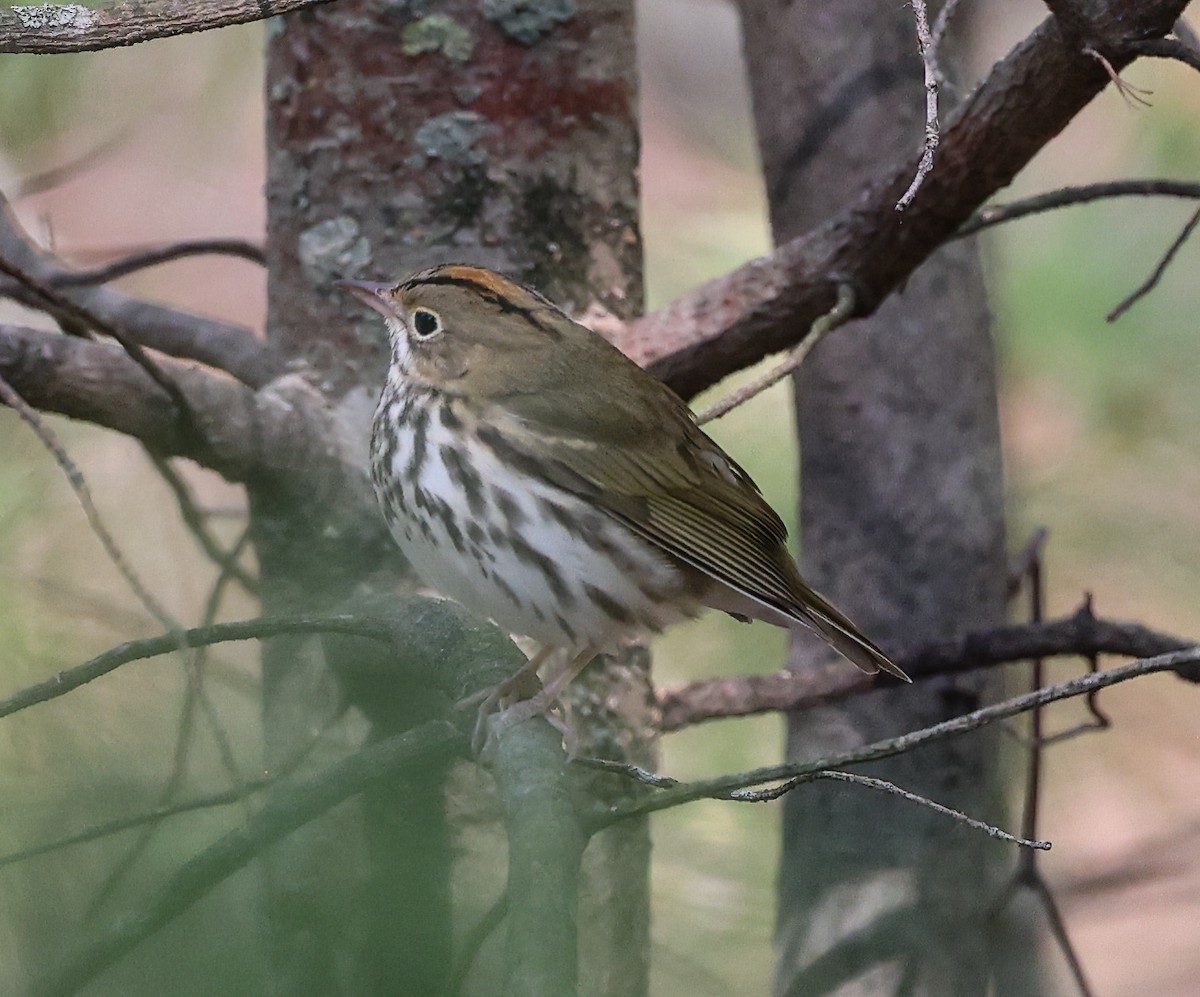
53, 28
285, 809
745, 695
424, 649
436, 643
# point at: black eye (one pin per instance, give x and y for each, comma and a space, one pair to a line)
425, 323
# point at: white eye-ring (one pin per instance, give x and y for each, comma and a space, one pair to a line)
425, 323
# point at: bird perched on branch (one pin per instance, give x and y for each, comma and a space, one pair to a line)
532, 472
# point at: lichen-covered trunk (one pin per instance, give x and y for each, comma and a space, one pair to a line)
402, 135
901, 517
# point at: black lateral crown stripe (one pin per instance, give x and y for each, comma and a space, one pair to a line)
489, 293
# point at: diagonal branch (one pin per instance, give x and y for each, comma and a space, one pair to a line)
1151, 282
1186, 658
746, 695
768, 304
226, 347
52, 28
154, 256
246, 434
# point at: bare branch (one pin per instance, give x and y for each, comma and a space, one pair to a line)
155, 256
767, 305
108, 828
928, 48
52, 28
995, 214
745, 695
219, 633
51, 301
58, 175
194, 520
707, 788
656, 781
1151, 282
855, 778
247, 434
1168, 48
430, 637
1027, 561
195, 696
80, 487
230, 348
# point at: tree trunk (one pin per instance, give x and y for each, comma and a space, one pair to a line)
901, 514
498, 135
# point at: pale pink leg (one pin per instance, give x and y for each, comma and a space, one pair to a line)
544, 702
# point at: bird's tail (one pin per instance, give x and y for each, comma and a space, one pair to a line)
844, 637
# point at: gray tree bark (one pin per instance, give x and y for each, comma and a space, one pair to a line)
902, 526
401, 136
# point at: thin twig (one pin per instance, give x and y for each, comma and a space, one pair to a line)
996, 214
1023, 563
890, 747
940, 25
108, 828
771, 793
284, 809
928, 49
1133, 96
194, 520
1058, 929
56, 176
219, 633
183, 740
195, 697
1027, 842
1152, 281
54, 302
839, 314
156, 255
79, 485
224, 798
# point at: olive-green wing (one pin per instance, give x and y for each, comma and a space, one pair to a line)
677, 489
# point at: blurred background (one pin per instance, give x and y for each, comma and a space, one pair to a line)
1101, 445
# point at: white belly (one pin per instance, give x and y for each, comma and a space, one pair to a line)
531, 557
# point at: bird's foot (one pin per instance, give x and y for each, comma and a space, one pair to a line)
491, 727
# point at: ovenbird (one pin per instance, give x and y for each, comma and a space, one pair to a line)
532, 472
